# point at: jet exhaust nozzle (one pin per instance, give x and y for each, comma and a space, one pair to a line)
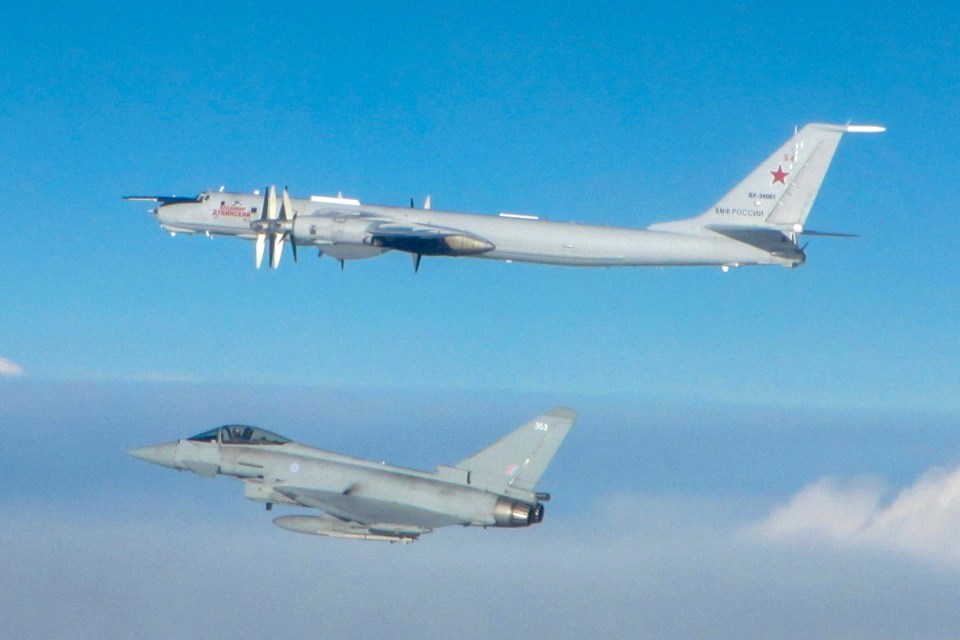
513, 513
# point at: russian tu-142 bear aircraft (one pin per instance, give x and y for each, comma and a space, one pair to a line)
757, 223
366, 500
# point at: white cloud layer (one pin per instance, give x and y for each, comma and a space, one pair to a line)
628, 567
9, 368
921, 520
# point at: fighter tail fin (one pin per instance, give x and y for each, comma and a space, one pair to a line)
779, 193
519, 459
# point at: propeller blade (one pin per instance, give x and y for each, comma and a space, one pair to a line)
258, 251
270, 204
286, 206
276, 249
287, 215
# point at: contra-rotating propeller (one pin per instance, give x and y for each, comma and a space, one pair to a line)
277, 225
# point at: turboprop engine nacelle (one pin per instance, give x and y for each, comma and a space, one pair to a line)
344, 238
325, 230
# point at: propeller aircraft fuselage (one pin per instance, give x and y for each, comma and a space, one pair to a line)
757, 223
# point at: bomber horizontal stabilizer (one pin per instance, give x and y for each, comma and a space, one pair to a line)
764, 238
770, 239
828, 234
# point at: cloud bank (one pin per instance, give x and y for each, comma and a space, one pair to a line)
629, 566
96, 544
922, 520
9, 368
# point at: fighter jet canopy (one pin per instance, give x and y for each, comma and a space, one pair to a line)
239, 434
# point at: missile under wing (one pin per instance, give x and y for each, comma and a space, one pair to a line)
368, 500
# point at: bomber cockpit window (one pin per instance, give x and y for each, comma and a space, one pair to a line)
243, 434
206, 436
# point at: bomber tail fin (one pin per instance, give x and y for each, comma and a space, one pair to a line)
779, 193
519, 459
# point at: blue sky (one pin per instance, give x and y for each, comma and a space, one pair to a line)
713, 404
613, 115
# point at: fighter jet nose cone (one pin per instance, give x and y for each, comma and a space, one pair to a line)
162, 454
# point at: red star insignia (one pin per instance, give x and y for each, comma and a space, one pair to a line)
779, 175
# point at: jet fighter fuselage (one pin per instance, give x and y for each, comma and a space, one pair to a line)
372, 500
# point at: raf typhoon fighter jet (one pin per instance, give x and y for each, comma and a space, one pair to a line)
759, 222
366, 500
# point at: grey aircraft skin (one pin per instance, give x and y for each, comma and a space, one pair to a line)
757, 223
367, 500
